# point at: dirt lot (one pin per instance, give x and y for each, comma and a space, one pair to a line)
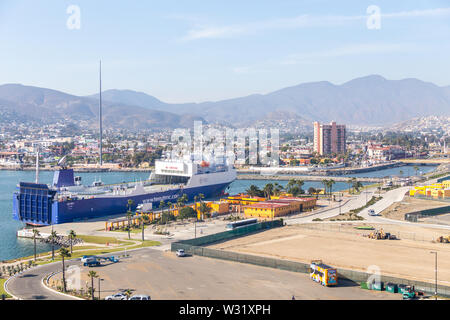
349, 249
399, 209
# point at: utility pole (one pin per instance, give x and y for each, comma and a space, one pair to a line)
340, 204
99, 279
435, 275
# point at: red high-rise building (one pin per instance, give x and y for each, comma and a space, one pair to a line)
329, 138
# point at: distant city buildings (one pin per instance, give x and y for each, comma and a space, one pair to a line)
378, 151
329, 138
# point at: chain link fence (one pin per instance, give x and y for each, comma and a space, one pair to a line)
404, 235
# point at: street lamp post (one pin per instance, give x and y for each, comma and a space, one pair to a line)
435, 274
99, 279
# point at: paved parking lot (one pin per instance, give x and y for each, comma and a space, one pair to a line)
162, 275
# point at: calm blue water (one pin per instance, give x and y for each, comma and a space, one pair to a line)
12, 247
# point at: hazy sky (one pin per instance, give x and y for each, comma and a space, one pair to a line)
185, 51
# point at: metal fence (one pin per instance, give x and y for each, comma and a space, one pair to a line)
235, 233
423, 197
414, 216
405, 235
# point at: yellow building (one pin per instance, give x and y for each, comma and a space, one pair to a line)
435, 190
278, 207
266, 210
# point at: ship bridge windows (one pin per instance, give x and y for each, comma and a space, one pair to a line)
168, 179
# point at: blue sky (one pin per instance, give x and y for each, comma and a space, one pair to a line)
185, 51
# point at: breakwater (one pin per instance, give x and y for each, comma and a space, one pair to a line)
305, 178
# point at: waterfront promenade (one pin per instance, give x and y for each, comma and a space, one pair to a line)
305, 178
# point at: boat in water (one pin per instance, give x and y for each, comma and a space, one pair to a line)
68, 200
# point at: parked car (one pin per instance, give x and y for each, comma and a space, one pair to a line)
181, 253
372, 212
140, 297
117, 296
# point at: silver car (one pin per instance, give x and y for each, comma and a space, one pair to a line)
117, 296
140, 297
181, 253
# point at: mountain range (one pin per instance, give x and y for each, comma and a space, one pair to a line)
370, 100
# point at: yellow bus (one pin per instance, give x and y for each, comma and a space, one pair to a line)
323, 274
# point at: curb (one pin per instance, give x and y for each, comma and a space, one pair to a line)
54, 291
5, 286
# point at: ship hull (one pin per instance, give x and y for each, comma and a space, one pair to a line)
98, 207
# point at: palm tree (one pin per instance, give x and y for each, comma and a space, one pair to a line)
143, 219
72, 236
277, 188
400, 172
268, 190
162, 204
92, 275
253, 191
195, 206
350, 184
325, 184
204, 209
64, 253
311, 190
201, 196
331, 182
53, 236
357, 185
35, 235
300, 184
416, 168
129, 214
181, 201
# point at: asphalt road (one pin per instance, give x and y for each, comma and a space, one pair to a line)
389, 198
353, 203
29, 286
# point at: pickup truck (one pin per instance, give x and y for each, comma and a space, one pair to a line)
90, 261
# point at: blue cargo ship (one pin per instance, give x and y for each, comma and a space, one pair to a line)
68, 200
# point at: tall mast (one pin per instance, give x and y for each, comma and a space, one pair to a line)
37, 165
100, 117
